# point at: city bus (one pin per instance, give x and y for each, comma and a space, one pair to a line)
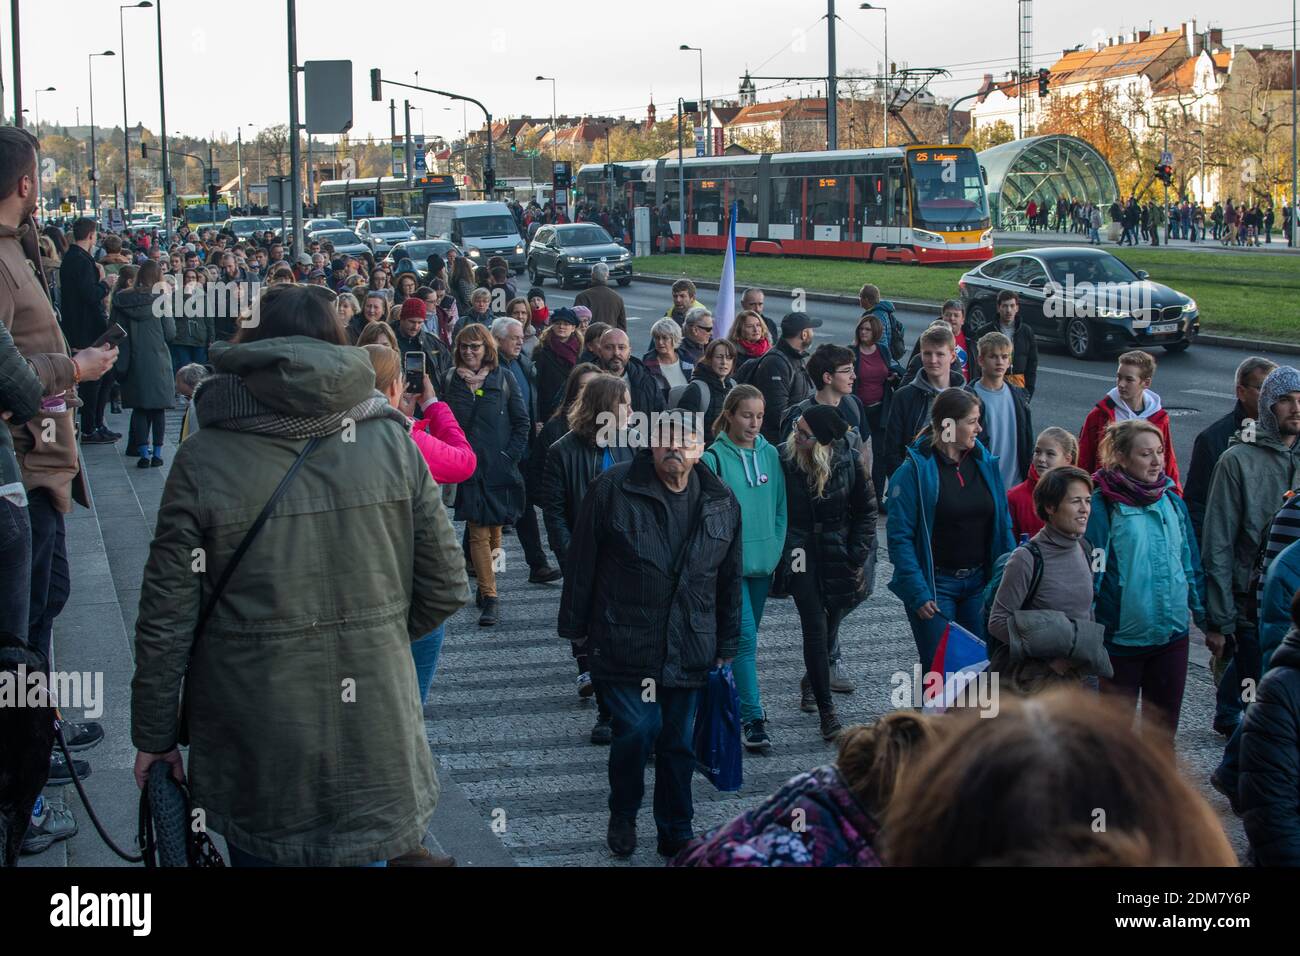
912, 204
352, 199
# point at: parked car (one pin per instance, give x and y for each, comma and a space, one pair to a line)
567, 252
1087, 299
480, 229
346, 242
381, 233
242, 227
419, 250
316, 225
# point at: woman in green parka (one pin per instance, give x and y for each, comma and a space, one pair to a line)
307, 743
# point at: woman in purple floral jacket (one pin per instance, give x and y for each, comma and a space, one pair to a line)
827, 816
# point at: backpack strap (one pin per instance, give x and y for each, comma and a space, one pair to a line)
1036, 576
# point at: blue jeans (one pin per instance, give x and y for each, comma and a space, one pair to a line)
960, 600
15, 569
241, 859
664, 725
425, 651
753, 597
185, 354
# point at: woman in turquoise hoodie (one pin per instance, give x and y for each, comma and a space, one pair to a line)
751, 468
1150, 582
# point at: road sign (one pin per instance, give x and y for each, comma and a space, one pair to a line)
1166, 158
420, 167
327, 90
699, 141
212, 176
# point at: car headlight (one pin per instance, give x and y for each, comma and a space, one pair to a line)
925, 236
1190, 306
624, 255
473, 253
519, 249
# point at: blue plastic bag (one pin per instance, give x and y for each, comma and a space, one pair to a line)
717, 731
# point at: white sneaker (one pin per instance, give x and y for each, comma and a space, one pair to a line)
585, 687
841, 683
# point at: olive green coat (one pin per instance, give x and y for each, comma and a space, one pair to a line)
307, 737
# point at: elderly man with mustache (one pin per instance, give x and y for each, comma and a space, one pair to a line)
655, 603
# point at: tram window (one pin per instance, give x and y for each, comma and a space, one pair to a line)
706, 201
745, 192
828, 200
870, 191
786, 205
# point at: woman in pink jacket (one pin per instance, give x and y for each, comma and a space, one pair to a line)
446, 451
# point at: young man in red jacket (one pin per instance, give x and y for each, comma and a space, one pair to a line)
1130, 398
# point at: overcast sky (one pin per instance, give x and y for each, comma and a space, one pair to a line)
225, 62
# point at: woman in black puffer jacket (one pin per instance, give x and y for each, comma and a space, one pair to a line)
713, 372
831, 515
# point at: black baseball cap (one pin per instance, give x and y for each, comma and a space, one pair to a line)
796, 322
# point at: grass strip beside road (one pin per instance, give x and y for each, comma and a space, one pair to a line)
1238, 293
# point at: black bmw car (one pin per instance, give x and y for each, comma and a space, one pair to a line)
567, 252
1085, 298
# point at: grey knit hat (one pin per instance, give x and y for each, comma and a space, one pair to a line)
1281, 381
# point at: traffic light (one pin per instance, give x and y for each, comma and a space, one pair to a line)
489, 180
1165, 173
514, 144
1044, 77
376, 92
212, 195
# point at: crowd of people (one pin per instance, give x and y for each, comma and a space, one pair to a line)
344, 416
1228, 222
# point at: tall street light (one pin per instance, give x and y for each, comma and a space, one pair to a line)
94, 160
48, 89
1295, 202
885, 95
126, 130
551, 80
707, 145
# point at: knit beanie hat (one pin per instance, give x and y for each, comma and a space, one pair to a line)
1281, 381
414, 307
825, 422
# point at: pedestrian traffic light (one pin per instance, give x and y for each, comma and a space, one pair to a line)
1044, 76
1165, 173
514, 144
376, 92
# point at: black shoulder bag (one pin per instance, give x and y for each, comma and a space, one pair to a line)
183, 731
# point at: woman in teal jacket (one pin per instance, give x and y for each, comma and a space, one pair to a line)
948, 522
1150, 584
751, 467
1281, 582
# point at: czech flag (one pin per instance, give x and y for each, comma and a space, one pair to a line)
961, 656
725, 313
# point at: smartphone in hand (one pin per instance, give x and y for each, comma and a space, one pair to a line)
113, 337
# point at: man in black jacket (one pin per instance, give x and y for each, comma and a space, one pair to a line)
613, 354
780, 374
1024, 357
83, 289
1213, 441
658, 604
411, 337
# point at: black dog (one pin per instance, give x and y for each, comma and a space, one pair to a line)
26, 739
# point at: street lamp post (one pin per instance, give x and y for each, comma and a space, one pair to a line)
162, 134
551, 80
708, 145
885, 99
48, 89
94, 160
126, 130
1295, 202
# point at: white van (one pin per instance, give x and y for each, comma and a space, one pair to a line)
480, 229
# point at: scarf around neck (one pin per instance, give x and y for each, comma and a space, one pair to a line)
1119, 486
568, 350
755, 349
473, 379
224, 401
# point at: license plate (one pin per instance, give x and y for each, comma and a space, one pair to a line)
1166, 327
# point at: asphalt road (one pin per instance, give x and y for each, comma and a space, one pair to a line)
1196, 387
